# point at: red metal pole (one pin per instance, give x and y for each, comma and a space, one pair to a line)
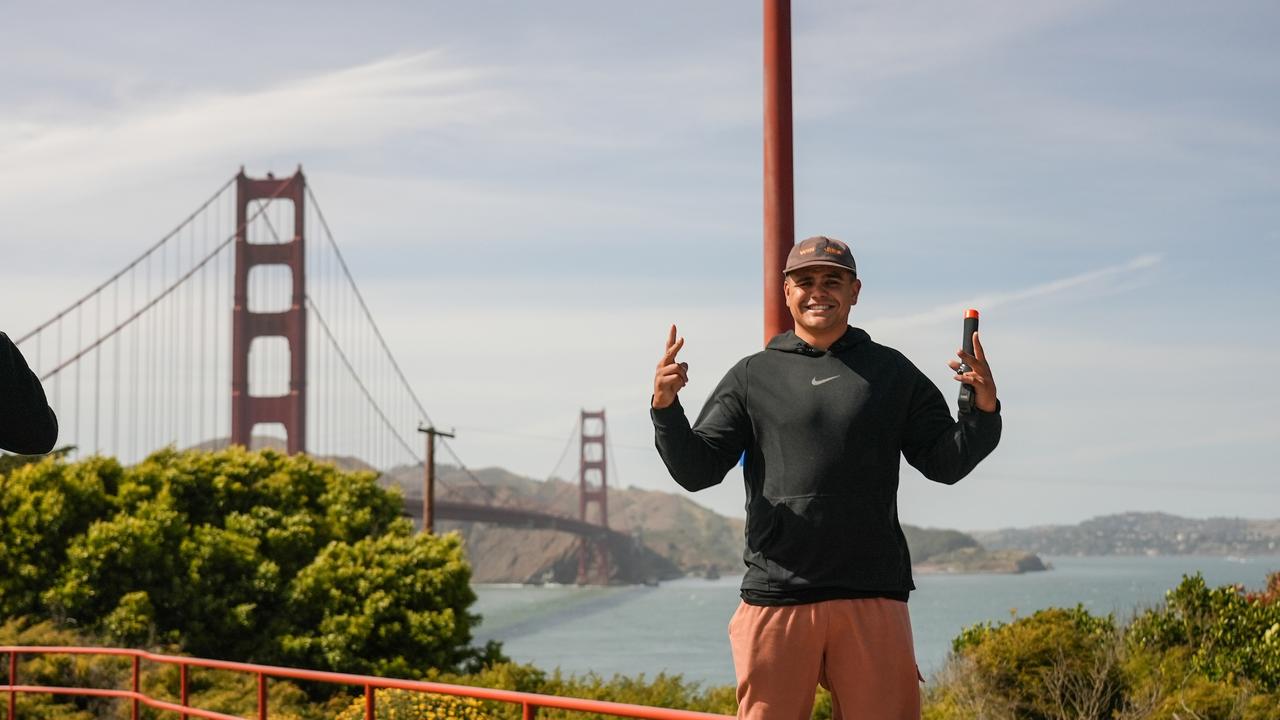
529, 712
13, 680
779, 195
182, 686
370, 703
137, 662
262, 696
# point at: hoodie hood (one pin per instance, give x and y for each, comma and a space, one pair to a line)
790, 342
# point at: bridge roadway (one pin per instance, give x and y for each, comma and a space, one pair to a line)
513, 517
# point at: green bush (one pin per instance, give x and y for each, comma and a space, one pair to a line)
1053, 659
251, 556
1167, 687
59, 671
43, 507
221, 691
1206, 653
407, 705
669, 691
1231, 635
392, 605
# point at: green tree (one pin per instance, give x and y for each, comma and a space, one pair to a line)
394, 604
234, 554
1229, 633
43, 506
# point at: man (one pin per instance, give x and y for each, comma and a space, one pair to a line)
27, 423
823, 414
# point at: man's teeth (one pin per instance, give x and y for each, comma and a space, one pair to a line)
821, 307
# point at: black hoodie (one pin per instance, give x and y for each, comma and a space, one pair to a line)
823, 432
27, 423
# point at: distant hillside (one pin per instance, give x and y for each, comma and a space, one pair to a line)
951, 551
695, 540
1143, 534
692, 539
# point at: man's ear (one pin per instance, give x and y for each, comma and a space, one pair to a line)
855, 288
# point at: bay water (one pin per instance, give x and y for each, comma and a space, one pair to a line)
679, 627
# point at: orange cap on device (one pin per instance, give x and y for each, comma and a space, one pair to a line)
970, 313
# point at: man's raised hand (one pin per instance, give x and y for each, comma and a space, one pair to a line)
978, 374
671, 375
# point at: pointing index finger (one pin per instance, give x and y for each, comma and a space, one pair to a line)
977, 347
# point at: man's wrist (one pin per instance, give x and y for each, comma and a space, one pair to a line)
673, 406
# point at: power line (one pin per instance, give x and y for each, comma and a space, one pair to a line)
462, 466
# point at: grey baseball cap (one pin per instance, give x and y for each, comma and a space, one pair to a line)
820, 250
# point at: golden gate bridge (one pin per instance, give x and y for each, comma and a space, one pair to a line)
245, 322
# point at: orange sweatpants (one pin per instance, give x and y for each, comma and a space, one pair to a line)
860, 650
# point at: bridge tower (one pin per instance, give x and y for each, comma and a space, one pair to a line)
290, 410
593, 553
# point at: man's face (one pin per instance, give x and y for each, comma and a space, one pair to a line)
820, 297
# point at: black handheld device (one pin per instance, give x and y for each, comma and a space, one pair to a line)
966, 390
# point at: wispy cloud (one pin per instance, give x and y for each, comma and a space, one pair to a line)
950, 311
349, 108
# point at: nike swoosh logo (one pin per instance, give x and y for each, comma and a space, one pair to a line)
816, 382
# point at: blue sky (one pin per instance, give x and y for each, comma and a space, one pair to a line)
529, 193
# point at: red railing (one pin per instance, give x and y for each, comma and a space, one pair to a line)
529, 702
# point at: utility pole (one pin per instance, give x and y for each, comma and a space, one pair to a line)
429, 478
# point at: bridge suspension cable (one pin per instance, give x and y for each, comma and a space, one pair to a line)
405, 388
146, 254
142, 360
